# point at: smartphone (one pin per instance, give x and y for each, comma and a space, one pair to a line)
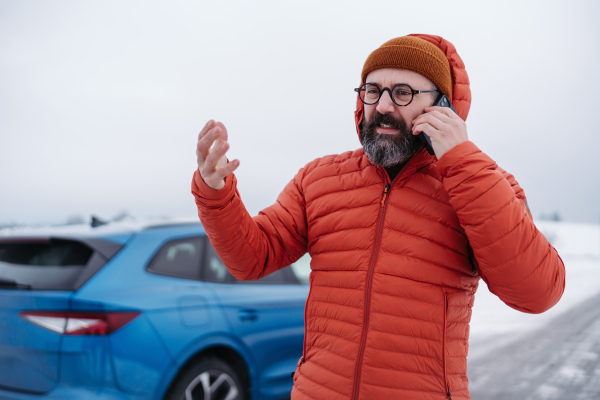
442, 101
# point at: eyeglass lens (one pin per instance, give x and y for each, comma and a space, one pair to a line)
401, 94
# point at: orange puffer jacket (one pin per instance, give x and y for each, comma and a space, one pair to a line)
395, 265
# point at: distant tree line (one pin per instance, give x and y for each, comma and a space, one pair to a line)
553, 216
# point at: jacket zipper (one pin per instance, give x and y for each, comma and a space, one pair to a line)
302, 359
367, 305
448, 394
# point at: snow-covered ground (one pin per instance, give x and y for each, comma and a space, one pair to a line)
494, 324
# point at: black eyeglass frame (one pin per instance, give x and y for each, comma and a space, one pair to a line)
362, 88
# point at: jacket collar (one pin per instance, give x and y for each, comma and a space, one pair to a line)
420, 160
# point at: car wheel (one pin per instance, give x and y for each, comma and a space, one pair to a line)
209, 379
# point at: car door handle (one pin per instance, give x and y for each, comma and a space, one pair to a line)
248, 315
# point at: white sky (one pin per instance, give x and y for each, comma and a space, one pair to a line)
101, 101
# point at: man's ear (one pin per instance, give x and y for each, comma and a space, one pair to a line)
359, 115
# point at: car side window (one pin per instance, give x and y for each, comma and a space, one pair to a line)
195, 258
214, 270
179, 258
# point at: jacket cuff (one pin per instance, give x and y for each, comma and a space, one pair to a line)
453, 157
209, 196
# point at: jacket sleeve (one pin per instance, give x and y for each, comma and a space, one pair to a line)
514, 258
252, 247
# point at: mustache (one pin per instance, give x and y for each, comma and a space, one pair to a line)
386, 119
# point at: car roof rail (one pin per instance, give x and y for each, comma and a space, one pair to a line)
96, 222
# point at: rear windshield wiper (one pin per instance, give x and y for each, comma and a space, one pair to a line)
5, 283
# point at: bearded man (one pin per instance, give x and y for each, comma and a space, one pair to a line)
398, 238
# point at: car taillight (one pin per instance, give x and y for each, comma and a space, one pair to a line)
80, 322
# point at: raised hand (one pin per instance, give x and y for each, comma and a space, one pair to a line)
211, 155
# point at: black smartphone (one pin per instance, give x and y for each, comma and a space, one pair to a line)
442, 101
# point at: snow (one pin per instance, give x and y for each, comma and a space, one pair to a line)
86, 229
494, 324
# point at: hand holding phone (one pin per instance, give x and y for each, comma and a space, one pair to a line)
442, 101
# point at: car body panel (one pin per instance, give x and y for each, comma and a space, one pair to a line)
178, 320
28, 353
254, 318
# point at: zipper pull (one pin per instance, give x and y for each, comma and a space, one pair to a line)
295, 373
386, 189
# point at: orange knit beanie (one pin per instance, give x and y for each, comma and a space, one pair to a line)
415, 54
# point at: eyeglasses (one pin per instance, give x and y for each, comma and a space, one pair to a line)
401, 94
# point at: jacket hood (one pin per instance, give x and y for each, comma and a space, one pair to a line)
461, 90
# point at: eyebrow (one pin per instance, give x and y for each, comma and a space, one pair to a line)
395, 84
403, 83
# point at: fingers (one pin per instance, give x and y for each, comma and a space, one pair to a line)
211, 152
215, 178
440, 119
436, 117
444, 128
229, 168
429, 129
216, 153
204, 130
204, 141
211, 133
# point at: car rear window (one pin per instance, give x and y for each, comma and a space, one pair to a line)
42, 264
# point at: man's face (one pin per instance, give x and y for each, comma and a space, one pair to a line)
386, 130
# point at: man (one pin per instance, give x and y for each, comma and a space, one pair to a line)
398, 238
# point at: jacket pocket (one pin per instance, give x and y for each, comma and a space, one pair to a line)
444, 347
303, 358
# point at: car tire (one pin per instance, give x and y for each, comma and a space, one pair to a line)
208, 379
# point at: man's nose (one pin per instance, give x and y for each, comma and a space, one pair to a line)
385, 104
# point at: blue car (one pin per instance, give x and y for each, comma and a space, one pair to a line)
142, 312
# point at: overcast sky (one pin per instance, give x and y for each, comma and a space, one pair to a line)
101, 101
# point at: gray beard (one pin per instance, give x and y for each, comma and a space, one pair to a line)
388, 150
